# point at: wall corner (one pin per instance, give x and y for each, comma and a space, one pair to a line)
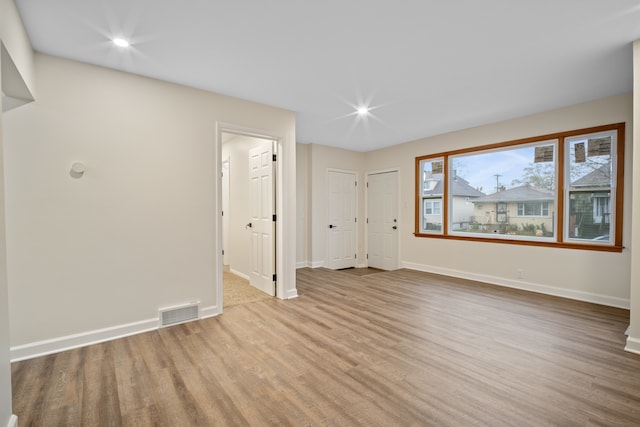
633, 344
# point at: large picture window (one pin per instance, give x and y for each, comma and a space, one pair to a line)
562, 190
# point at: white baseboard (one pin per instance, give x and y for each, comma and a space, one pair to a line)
210, 311
13, 421
633, 345
237, 273
55, 345
318, 264
292, 293
526, 286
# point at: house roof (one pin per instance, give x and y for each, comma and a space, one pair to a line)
600, 177
459, 188
523, 193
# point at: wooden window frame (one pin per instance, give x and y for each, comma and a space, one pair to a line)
559, 240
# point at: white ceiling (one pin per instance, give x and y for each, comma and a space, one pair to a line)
423, 66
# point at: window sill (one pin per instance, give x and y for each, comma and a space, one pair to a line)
548, 244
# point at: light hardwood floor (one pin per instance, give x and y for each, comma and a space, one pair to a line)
399, 348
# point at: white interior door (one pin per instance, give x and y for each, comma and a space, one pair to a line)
382, 221
342, 219
262, 261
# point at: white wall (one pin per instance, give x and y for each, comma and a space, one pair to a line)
98, 256
587, 275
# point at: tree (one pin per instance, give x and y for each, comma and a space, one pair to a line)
538, 175
599, 163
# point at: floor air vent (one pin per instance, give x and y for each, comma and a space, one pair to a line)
179, 314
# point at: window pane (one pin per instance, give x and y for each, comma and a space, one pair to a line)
533, 209
506, 192
436, 207
432, 185
590, 181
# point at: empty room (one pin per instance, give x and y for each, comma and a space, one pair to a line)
319, 214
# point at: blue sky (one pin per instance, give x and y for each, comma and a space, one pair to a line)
480, 169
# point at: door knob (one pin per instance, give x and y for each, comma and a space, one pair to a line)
250, 225
333, 226
394, 227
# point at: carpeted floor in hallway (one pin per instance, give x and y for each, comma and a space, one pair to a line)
237, 290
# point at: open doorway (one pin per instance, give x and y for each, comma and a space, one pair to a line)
248, 217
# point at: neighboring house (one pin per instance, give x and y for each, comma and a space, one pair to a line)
515, 210
461, 205
590, 204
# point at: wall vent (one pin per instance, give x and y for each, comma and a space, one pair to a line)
179, 314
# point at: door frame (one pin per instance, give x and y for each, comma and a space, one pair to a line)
355, 227
278, 205
366, 211
225, 218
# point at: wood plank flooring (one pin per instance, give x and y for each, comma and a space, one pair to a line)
399, 348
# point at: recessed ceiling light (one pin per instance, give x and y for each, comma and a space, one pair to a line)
362, 111
121, 42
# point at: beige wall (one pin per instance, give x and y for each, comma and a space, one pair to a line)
5, 369
16, 78
101, 254
16, 42
321, 159
589, 275
633, 341
303, 221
